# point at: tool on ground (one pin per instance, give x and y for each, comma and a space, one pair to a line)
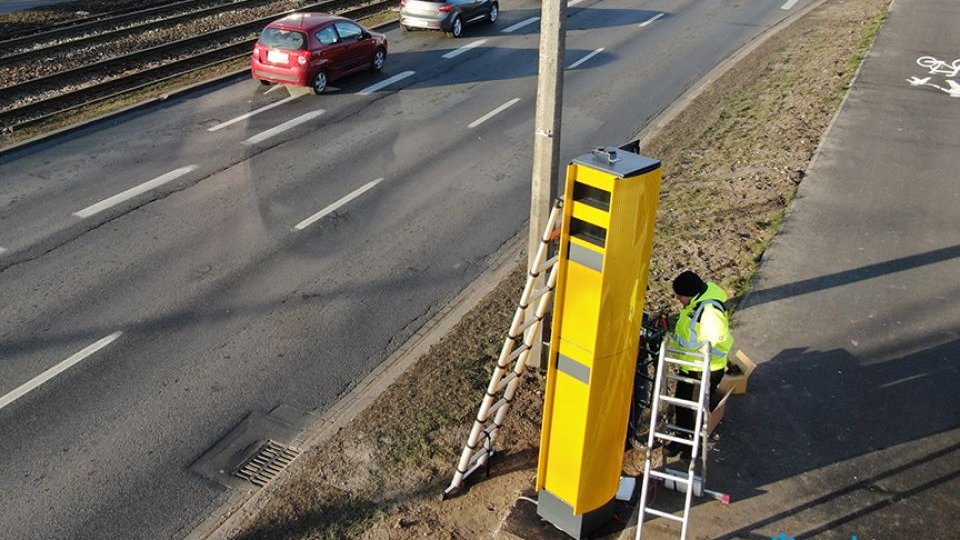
512, 362
690, 482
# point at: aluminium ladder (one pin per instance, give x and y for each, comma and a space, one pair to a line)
690, 482
511, 365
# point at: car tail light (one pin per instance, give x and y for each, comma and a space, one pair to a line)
403, 4
446, 8
304, 58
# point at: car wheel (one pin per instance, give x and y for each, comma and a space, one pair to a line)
494, 13
456, 27
378, 58
265, 83
406, 28
320, 82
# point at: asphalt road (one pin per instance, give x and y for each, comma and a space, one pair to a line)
219, 290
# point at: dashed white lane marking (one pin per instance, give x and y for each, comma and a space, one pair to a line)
2, 250
520, 25
573, 2
493, 113
385, 83
579, 62
333, 207
243, 117
289, 124
903, 380
33, 383
465, 48
651, 19
134, 191
789, 4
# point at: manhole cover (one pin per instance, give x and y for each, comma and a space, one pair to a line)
266, 464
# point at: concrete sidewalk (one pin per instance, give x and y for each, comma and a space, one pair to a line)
851, 425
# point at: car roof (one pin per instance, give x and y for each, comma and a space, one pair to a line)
304, 21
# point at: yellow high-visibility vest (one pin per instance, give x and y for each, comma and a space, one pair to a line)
705, 319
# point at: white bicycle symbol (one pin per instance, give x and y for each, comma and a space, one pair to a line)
939, 67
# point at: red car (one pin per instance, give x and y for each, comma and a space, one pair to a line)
312, 49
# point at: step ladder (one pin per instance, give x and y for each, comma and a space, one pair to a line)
689, 483
511, 365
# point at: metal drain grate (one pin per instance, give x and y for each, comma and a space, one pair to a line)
270, 461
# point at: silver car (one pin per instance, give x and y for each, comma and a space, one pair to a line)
449, 16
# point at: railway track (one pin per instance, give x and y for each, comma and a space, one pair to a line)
52, 28
114, 28
42, 99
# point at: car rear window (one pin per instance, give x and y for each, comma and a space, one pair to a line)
283, 39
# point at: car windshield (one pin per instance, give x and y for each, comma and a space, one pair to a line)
283, 39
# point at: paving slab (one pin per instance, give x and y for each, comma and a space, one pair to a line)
851, 426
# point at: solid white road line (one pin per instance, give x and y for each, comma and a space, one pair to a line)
333, 207
493, 113
579, 62
651, 19
520, 25
252, 113
385, 83
465, 48
26, 387
573, 2
788, 5
289, 124
133, 192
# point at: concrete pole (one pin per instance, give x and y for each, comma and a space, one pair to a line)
546, 140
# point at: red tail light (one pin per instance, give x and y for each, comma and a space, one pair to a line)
304, 58
403, 3
446, 8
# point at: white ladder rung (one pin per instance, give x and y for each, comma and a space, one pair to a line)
535, 295
548, 264
668, 515
502, 385
685, 363
515, 354
672, 427
496, 407
477, 454
681, 402
668, 476
681, 378
527, 324
672, 438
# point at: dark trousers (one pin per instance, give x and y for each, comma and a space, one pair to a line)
687, 418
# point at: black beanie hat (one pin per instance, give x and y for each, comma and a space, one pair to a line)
688, 284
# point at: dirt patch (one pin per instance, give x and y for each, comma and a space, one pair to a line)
733, 160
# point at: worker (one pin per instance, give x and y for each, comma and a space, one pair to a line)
703, 319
